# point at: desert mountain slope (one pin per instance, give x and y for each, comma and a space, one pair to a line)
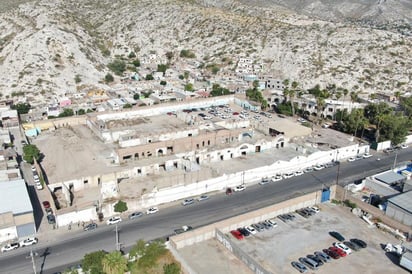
45, 45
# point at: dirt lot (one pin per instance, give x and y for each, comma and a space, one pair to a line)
275, 249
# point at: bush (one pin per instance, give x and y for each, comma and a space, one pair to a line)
185, 53
149, 77
117, 66
120, 206
350, 204
108, 78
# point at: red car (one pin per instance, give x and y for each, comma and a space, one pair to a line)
229, 191
237, 234
338, 250
46, 204
332, 254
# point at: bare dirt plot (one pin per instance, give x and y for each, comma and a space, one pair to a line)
277, 248
211, 257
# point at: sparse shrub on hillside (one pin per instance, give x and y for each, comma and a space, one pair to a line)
149, 77
136, 62
185, 53
117, 66
162, 68
108, 78
132, 55
77, 79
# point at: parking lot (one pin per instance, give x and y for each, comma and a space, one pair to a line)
276, 248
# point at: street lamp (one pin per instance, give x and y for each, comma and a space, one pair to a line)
31, 256
394, 161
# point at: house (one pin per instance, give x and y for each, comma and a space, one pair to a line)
10, 118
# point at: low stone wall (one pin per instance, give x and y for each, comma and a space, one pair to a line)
208, 232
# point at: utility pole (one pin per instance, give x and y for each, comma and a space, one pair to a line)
117, 239
394, 161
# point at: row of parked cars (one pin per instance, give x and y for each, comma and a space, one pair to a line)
252, 229
23, 243
337, 250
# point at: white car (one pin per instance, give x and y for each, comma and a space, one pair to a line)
203, 198
276, 178
39, 186
314, 209
288, 175
298, 173
33, 168
272, 222
342, 246
10, 247
264, 181
250, 229
301, 120
29, 241
319, 167
152, 210
352, 159
240, 188
367, 155
114, 220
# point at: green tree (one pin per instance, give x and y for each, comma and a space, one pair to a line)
81, 112
117, 66
394, 128
67, 112
120, 206
22, 108
136, 63
189, 87
108, 78
163, 83
149, 77
169, 56
132, 55
181, 77
172, 268
77, 79
138, 250
217, 90
184, 53
406, 105
31, 152
136, 96
92, 262
114, 263
162, 68
152, 252
127, 105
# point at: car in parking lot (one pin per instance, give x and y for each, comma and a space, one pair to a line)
272, 222
288, 175
9, 247
152, 210
135, 215
309, 263
51, 219
243, 231
29, 241
338, 250
315, 259
337, 236
188, 201
367, 155
237, 234
39, 186
300, 267
240, 188
250, 229
304, 213
89, 227
33, 168
308, 169
258, 227
323, 256
114, 220
319, 167
203, 198
342, 246
352, 246
359, 242
46, 204
314, 209
298, 173
335, 255
49, 211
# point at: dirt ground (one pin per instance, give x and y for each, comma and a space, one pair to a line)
275, 249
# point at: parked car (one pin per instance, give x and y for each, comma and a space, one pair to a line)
229, 191
300, 267
188, 201
367, 155
315, 259
272, 222
303, 213
359, 242
314, 209
389, 150
135, 215
352, 246
276, 178
298, 173
10, 247
319, 167
33, 169
46, 204
114, 220
183, 229
152, 210
335, 255
203, 198
49, 211
51, 219
288, 175
29, 241
250, 229
240, 188
89, 227
39, 186
337, 236
264, 181
258, 227
342, 246
323, 256
338, 250
238, 235
308, 169
309, 263
243, 231
266, 225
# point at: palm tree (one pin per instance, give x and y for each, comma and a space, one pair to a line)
338, 95
292, 94
114, 263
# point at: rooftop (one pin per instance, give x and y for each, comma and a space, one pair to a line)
14, 197
403, 201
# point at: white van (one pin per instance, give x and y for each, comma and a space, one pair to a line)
39, 186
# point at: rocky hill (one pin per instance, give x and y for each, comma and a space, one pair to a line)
51, 47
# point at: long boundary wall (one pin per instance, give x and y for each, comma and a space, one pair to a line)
208, 232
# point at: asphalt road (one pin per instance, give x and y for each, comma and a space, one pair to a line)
56, 256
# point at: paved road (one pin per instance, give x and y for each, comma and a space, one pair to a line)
56, 255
